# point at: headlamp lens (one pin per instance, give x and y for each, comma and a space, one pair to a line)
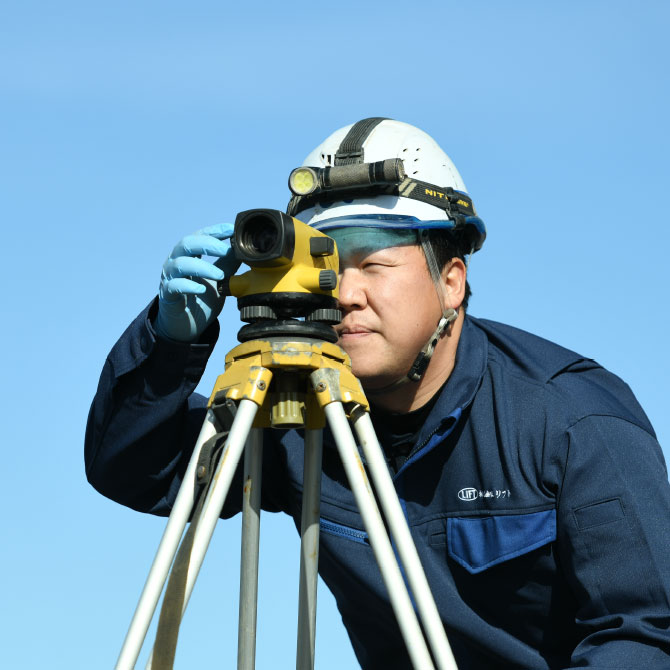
303, 181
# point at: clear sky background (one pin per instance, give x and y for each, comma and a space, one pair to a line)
126, 125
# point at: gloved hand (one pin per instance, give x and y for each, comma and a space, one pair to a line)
188, 300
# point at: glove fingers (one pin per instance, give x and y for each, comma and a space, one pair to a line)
221, 231
189, 299
181, 286
199, 245
186, 266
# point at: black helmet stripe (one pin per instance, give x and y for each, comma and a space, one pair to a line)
351, 148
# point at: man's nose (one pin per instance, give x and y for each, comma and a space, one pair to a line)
352, 290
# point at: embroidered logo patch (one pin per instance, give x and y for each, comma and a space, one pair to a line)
468, 494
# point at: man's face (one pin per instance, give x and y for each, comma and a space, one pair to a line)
390, 309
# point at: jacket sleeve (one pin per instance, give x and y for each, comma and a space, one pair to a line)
614, 539
145, 418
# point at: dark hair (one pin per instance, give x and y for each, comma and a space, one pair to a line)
445, 248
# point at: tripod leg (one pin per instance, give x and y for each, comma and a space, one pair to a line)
309, 549
216, 495
251, 510
381, 545
167, 549
395, 517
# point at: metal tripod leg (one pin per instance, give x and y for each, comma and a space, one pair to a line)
309, 549
215, 499
251, 519
167, 549
216, 496
221, 481
395, 517
381, 546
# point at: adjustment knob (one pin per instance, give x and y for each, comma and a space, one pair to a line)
257, 313
325, 316
327, 280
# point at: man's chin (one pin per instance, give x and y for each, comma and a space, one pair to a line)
374, 382
368, 365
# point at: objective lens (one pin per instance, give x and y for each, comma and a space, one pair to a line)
260, 236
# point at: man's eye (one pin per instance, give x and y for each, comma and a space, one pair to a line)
375, 262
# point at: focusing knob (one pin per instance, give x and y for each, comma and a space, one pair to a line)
327, 280
257, 313
325, 316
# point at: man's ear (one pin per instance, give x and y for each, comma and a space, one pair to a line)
454, 275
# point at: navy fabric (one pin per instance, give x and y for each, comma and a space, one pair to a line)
343, 531
536, 493
479, 543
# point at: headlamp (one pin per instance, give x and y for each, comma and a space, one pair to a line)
303, 181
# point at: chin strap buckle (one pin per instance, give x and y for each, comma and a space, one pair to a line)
421, 361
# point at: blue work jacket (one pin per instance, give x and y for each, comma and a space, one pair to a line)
536, 493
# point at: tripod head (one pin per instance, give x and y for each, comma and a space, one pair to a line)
291, 287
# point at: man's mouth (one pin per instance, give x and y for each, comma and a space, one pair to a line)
352, 330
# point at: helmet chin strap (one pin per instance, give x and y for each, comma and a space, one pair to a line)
449, 315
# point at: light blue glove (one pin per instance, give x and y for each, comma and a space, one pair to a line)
188, 300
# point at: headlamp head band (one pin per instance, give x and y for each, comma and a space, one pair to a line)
313, 185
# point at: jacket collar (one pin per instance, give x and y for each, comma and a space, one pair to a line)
461, 387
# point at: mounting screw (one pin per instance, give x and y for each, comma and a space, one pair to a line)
261, 385
202, 471
321, 387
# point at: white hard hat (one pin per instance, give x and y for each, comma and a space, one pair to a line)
422, 158
425, 191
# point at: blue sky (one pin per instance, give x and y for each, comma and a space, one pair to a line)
126, 125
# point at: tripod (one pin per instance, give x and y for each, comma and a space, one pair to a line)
290, 381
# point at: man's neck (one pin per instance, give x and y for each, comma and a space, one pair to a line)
413, 395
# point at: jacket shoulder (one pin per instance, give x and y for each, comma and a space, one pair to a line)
526, 354
578, 385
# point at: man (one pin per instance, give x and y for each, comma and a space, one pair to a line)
532, 481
